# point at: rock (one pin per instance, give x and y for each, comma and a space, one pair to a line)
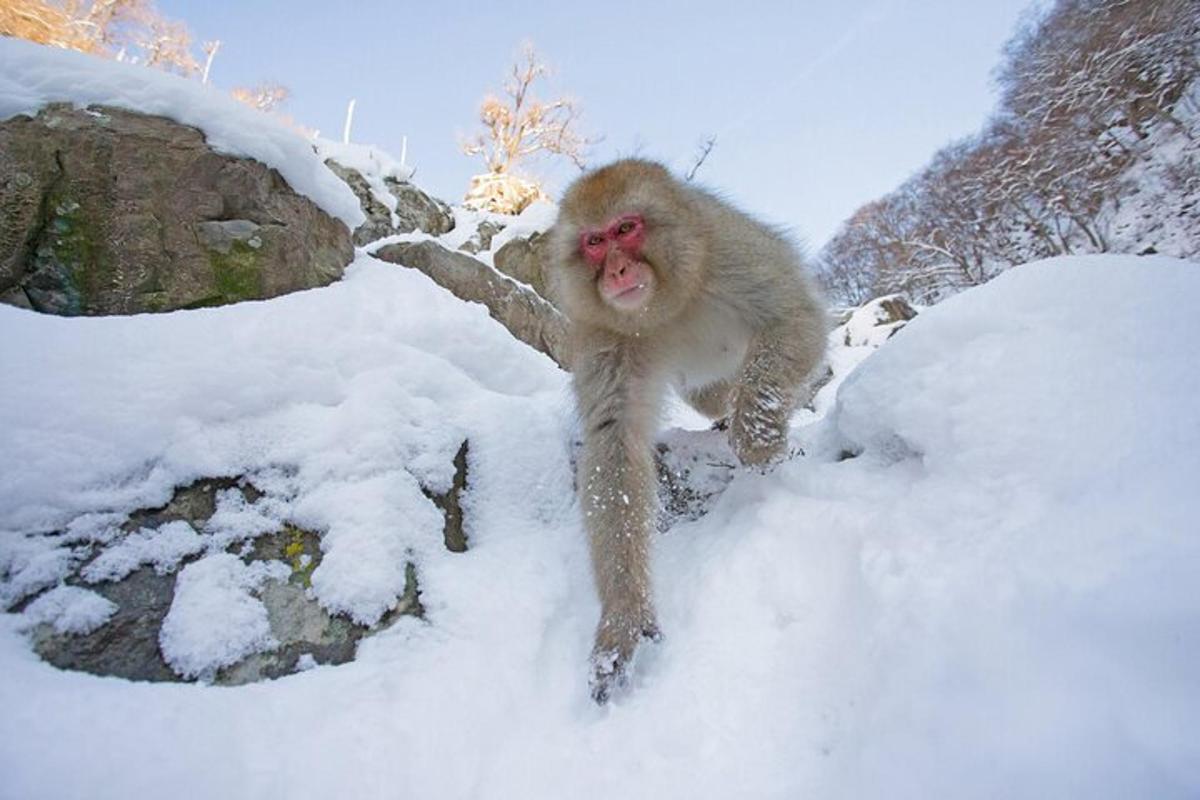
302, 627
482, 238
379, 217
415, 210
501, 193
524, 260
453, 532
528, 316
418, 211
127, 646
108, 211
877, 320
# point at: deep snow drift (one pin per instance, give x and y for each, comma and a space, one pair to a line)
995, 597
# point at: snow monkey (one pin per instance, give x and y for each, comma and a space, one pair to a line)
667, 285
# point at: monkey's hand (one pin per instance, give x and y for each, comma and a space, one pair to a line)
616, 643
759, 426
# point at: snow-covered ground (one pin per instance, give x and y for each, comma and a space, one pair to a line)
995, 598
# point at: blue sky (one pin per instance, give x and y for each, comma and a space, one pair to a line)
817, 107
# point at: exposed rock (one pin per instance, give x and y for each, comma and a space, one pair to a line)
415, 210
877, 320
502, 193
298, 622
525, 260
528, 317
694, 468
127, 645
482, 238
379, 217
418, 211
450, 503
108, 211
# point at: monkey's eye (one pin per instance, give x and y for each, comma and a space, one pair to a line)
625, 227
594, 240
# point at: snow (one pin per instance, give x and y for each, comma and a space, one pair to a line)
70, 609
372, 163
994, 598
537, 217
31, 76
163, 548
215, 620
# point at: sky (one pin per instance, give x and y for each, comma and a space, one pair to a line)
817, 107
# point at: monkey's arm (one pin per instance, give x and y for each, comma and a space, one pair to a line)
713, 400
780, 358
616, 479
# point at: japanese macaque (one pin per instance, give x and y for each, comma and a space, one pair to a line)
665, 286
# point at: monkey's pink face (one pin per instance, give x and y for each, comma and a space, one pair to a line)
615, 253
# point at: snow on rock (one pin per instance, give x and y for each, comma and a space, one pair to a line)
215, 620
70, 609
372, 162
236, 518
162, 548
32, 76
31, 563
537, 217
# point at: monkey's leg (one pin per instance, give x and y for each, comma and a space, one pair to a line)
713, 400
617, 494
769, 387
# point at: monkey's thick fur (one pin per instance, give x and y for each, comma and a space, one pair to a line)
731, 321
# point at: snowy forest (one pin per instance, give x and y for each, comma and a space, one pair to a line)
1093, 149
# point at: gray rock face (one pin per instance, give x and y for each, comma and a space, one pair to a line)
525, 260
108, 211
418, 211
128, 644
482, 238
415, 210
379, 218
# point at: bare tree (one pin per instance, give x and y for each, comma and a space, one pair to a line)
519, 126
702, 153
266, 96
1085, 87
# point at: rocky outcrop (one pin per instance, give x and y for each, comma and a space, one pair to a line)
481, 239
524, 260
108, 211
528, 316
414, 209
418, 211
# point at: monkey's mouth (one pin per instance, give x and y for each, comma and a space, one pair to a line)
631, 298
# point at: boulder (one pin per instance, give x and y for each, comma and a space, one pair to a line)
524, 260
379, 217
109, 211
418, 211
414, 209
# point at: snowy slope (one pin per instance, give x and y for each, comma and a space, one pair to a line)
996, 597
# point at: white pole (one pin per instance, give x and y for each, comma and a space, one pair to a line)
349, 121
404, 152
212, 48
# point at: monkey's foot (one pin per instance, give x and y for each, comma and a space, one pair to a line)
611, 665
